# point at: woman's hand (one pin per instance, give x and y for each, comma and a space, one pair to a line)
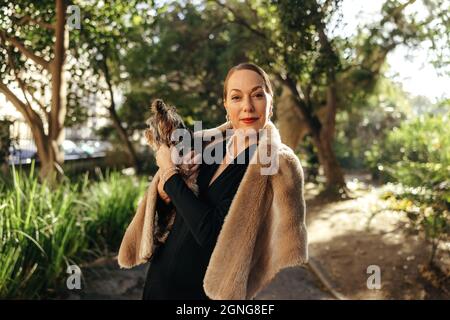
189, 163
164, 162
162, 194
163, 158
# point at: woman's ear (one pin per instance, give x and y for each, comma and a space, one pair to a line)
271, 105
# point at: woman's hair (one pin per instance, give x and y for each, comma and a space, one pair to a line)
248, 66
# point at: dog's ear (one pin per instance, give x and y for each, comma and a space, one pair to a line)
158, 106
148, 136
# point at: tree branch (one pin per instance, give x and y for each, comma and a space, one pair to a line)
253, 11
16, 73
312, 121
241, 20
19, 80
29, 114
27, 18
31, 117
330, 120
396, 11
25, 88
58, 102
16, 43
39, 103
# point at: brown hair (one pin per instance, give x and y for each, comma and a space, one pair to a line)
248, 66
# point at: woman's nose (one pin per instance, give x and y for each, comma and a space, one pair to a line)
248, 105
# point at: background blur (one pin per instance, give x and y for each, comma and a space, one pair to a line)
361, 96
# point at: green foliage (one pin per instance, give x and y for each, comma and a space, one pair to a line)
306, 54
18, 19
366, 121
427, 211
12, 21
417, 156
44, 230
208, 46
109, 203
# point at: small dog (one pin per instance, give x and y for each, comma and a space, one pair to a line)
163, 121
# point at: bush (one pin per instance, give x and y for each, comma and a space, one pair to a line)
44, 230
109, 203
427, 211
417, 156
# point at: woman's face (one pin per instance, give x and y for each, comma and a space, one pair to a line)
247, 103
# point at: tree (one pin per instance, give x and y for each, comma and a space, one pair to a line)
29, 57
193, 82
151, 66
108, 33
317, 73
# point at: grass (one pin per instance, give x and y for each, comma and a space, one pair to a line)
44, 230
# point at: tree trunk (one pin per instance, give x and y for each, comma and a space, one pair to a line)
50, 169
53, 153
288, 116
132, 158
321, 127
327, 158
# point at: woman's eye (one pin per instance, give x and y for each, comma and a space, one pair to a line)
235, 97
259, 95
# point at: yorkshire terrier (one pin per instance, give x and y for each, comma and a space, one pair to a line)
161, 124
163, 121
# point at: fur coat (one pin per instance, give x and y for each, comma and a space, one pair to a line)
263, 232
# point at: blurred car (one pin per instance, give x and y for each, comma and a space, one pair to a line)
22, 155
96, 148
73, 151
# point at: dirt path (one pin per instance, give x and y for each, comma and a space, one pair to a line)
347, 237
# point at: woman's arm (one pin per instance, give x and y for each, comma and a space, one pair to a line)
163, 207
203, 220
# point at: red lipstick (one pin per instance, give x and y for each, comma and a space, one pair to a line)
249, 120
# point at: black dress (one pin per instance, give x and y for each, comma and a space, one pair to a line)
178, 267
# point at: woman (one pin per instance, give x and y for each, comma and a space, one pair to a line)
248, 221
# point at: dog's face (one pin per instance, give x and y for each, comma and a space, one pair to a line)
163, 121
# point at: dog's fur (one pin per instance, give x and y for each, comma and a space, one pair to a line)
161, 124
164, 120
